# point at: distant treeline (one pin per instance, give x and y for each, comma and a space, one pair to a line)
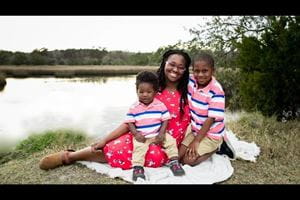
77, 57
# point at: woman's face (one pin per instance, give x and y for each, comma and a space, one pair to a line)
174, 67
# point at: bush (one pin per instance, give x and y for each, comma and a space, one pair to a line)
270, 69
230, 81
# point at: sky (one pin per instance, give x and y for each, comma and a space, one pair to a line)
126, 33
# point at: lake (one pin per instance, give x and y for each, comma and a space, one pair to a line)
95, 105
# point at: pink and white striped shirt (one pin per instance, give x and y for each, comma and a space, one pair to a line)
204, 103
148, 118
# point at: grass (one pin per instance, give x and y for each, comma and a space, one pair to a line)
279, 143
278, 162
72, 71
21, 165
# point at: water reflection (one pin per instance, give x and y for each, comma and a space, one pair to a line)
94, 105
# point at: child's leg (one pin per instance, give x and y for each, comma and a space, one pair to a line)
172, 152
206, 149
138, 158
139, 152
184, 145
171, 147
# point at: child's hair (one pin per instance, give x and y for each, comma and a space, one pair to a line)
147, 77
202, 56
183, 81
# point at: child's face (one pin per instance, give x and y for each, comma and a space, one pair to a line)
146, 93
202, 73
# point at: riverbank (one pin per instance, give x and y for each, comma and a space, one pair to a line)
278, 162
2, 81
72, 71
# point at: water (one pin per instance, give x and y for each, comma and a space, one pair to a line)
94, 105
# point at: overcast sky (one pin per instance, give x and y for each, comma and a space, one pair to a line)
126, 33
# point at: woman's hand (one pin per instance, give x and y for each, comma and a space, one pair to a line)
96, 147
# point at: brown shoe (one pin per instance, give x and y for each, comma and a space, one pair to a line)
55, 160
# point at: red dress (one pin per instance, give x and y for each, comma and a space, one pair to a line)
118, 152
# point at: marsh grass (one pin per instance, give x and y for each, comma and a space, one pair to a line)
278, 162
72, 71
279, 142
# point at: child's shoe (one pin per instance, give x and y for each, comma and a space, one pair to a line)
138, 172
227, 149
176, 168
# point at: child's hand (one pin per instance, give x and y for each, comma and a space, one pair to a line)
139, 137
96, 147
192, 149
159, 139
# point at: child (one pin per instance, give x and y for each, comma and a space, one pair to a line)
147, 120
207, 104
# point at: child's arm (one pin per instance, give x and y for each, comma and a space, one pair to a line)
192, 148
139, 137
162, 132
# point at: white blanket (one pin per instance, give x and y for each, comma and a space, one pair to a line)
216, 169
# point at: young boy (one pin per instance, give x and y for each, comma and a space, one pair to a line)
207, 104
147, 120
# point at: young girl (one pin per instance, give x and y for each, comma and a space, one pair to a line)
116, 147
147, 120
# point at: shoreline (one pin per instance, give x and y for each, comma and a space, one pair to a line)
23, 71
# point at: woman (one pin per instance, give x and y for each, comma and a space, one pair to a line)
116, 147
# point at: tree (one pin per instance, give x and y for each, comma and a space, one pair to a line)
270, 69
5, 57
19, 58
267, 49
221, 34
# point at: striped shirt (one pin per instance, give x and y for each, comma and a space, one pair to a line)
148, 118
207, 102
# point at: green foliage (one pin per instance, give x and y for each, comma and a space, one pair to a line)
77, 57
270, 68
230, 80
19, 58
5, 57
38, 142
38, 57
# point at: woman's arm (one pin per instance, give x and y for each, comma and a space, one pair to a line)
123, 128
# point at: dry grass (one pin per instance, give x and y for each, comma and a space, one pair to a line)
26, 171
279, 159
71, 71
278, 162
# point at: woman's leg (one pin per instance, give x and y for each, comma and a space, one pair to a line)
87, 155
67, 157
